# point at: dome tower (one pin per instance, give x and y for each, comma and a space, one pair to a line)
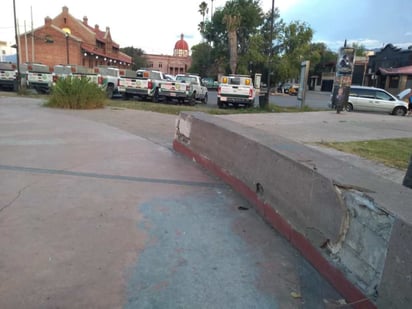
181, 48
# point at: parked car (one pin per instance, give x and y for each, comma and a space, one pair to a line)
284, 88
373, 99
293, 89
210, 83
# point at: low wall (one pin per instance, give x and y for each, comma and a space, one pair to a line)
353, 226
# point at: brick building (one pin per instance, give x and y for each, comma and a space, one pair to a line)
179, 63
67, 40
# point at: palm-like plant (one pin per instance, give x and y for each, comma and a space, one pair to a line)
232, 24
203, 10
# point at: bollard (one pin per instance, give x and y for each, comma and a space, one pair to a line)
407, 180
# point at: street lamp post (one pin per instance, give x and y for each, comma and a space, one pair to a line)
67, 47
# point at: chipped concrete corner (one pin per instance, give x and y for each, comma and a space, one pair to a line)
183, 128
360, 251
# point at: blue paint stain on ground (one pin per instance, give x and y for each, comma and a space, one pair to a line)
203, 252
193, 258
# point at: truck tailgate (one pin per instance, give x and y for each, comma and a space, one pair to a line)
37, 77
234, 91
7, 75
133, 83
173, 87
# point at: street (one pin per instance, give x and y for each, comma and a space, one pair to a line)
314, 99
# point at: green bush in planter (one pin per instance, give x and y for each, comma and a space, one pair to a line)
76, 93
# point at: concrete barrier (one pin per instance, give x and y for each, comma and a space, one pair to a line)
353, 226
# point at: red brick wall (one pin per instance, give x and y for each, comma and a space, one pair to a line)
78, 29
50, 52
54, 50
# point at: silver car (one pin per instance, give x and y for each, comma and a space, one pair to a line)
375, 100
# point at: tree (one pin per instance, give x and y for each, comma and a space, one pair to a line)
137, 54
240, 36
251, 19
321, 58
295, 39
203, 10
253, 60
271, 47
244, 18
201, 60
265, 30
232, 24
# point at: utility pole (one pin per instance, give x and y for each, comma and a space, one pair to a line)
32, 35
272, 17
18, 78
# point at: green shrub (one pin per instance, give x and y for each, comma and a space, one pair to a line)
76, 93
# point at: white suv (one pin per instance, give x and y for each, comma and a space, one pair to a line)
374, 99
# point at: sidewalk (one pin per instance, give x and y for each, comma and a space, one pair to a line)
95, 214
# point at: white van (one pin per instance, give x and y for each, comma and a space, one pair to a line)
375, 100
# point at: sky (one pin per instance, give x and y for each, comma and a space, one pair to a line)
156, 25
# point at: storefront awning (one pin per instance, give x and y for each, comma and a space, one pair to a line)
396, 71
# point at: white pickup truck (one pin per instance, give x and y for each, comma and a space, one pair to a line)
39, 76
186, 88
63, 71
108, 79
8, 76
105, 77
143, 84
236, 90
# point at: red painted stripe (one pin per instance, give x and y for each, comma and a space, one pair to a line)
351, 293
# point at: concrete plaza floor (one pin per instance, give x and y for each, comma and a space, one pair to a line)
97, 211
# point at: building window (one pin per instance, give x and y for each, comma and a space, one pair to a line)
160, 65
48, 39
150, 64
